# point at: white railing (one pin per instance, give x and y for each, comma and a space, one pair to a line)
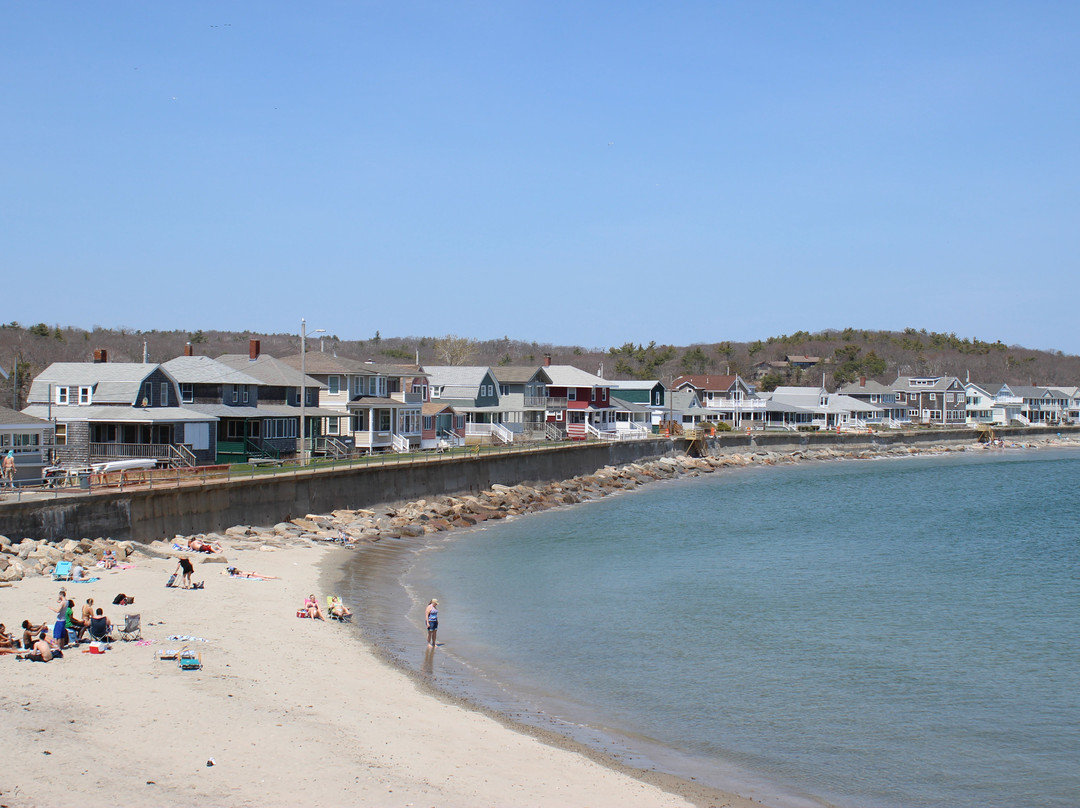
552, 431
400, 443
1008, 400
735, 405
502, 433
1022, 419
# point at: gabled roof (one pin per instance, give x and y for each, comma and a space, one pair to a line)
570, 376
802, 360
204, 370
436, 407
1028, 391
401, 371
113, 382
635, 384
705, 382
520, 374
10, 417
939, 383
463, 377
106, 413
269, 371
323, 363
629, 406
869, 388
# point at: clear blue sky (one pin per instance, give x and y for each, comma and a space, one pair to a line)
569, 172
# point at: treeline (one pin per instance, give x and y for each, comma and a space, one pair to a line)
847, 354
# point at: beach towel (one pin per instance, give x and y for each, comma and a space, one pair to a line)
86, 581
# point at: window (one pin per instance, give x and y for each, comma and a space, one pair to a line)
61, 395
592, 394
245, 394
360, 421
504, 389
84, 395
429, 423
558, 415
148, 392
933, 396
332, 426
164, 394
60, 436
384, 420
571, 394
912, 413
333, 384
436, 392
187, 392
235, 394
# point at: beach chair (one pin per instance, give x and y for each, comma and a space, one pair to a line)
132, 629
62, 571
188, 660
331, 601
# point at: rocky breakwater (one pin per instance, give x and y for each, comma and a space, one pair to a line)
31, 557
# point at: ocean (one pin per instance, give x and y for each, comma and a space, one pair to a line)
892, 632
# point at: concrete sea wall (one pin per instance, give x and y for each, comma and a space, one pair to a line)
145, 515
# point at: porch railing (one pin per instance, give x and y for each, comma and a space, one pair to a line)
400, 443
553, 431
502, 433
181, 456
142, 451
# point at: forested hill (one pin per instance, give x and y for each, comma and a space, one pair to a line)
846, 354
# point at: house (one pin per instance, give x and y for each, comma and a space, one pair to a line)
579, 403
802, 362
652, 393
880, 395
106, 411
728, 396
442, 427
473, 391
932, 400
826, 410
1041, 405
1071, 397
386, 408
633, 420
523, 398
341, 380
980, 404
29, 439
279, 389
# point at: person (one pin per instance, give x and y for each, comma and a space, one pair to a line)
313, 610
30, 631
101, 627
185, 567
6, 640
72, 623
197, 546
339, 609
9, 469
78, 573
431, 617
88, 611
108, 559
60, 626
233, 572
42, 651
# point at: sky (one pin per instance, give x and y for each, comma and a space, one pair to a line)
588, 173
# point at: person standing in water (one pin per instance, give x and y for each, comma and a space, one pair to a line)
431, 617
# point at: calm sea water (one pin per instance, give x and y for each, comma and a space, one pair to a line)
866, 633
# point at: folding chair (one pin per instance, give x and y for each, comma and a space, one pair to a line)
62, 571
132, 630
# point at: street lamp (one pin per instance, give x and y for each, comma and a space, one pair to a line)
303, 390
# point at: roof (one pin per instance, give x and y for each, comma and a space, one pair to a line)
105, 413
327, 363
570, 376
467, 377
634, 384
1028, 391
376, 401
113, 382
870, 387
939, 383
204, 370
269, 371
404, 371
796, 358
519, 374
705, 382
263, 411
630, 406
10, 417
436, 407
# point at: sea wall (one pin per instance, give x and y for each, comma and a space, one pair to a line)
144, 515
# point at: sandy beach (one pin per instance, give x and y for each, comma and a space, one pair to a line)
290, 710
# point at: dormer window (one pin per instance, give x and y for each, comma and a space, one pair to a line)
187, 392
61, 395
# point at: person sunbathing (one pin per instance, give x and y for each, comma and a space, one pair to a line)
313, 610
30, 631
6, 640
339, 609
108, 559
42, 651
201, 546
233, 572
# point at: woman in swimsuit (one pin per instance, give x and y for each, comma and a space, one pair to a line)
431, 617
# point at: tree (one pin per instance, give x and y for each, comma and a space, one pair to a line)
770, 382
452, 349
694, 361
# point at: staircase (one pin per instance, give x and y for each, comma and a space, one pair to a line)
501, 433
401, 443
332, 447
553, 431
181, 457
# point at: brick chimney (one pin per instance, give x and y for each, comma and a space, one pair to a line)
101, 356
547, 360
188, 350
254, 349
862, 381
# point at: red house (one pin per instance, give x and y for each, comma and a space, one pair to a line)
579, 403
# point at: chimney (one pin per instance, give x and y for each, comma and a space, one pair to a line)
547, 360
862, 381
188, 350
254, 349
101, 356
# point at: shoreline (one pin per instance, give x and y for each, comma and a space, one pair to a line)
320, 698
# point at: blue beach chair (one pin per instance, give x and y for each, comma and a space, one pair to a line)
62, 571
